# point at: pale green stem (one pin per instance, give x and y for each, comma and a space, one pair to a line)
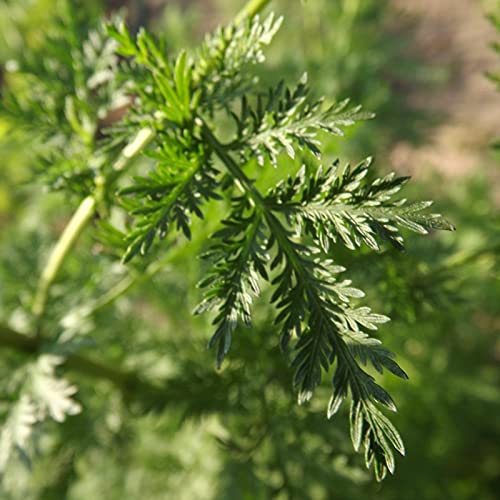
78, 222
130, 151
251, 9
65, 243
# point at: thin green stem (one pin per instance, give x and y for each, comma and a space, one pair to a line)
131, 150
231, 165
78, 222
251, 9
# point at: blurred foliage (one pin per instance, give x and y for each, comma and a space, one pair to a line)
239, 433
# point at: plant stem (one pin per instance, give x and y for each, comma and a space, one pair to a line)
251, 9
77, 224
132, 149
65, 243
231, 165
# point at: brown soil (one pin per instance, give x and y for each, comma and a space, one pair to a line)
455, 35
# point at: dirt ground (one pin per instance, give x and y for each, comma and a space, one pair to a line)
455, 35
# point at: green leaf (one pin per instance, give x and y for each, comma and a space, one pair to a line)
341, 206
286, 119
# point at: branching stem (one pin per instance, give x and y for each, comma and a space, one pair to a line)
231, 165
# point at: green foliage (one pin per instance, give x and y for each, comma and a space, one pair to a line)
222, 59
287, 119
312, 305
273, 254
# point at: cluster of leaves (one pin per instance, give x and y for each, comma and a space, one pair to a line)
282, 239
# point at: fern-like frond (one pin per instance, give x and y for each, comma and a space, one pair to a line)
225, 54
287, 119
325, 338
340, 205
240, 257
182, 180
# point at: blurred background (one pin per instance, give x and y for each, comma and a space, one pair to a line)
422, 66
